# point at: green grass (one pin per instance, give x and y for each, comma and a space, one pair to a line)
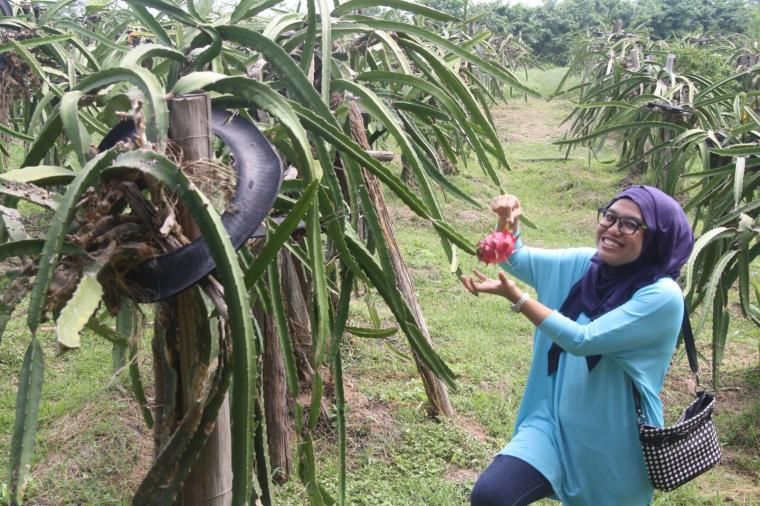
92, 444
90, 433
544, 81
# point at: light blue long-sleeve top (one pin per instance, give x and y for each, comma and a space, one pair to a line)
579, 428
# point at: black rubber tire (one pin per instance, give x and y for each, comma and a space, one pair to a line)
259, 171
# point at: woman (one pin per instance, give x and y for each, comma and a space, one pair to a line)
604, 318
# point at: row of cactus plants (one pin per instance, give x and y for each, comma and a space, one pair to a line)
694, 137
422, 92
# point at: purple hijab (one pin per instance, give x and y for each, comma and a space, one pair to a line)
667, 246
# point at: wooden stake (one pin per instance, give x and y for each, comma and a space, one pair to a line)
274, 387
210, 481
437, 393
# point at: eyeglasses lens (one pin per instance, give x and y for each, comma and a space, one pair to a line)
606, 218
627, 226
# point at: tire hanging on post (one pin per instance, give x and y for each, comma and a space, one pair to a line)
259, 174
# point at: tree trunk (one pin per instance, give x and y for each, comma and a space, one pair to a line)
275, 395
210, 480
296, 293
437, 393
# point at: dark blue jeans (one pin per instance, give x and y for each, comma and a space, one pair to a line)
509, 481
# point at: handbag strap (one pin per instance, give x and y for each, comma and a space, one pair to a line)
688, 341
691, 354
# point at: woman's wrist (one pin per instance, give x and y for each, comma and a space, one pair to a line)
518, 304
502, 225
514, 296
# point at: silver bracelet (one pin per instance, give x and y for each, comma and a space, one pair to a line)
517, 306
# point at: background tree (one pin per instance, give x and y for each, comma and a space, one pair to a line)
551, 28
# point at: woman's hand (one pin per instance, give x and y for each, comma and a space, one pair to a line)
535, 311
507, 208
483, 284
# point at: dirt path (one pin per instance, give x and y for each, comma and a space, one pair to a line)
534, 121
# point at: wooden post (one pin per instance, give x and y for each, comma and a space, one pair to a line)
635, 59
297, 291
667, 134
669, 62
210, 481
437, 393
274, 387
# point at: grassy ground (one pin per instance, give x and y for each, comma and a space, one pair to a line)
92, 444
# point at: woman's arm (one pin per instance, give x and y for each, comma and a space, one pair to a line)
534, 310
505, 287
539, 268
543, 267
651, 309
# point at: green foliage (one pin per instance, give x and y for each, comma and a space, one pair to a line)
27, 417
454, 7
753, 23
669, 19
702, 60
116, 206
562, 195
551, 29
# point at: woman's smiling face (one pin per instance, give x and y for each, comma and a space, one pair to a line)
613, 246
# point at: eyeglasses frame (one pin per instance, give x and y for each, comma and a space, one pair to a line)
604, 210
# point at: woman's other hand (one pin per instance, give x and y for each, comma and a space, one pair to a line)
483, 284
507, 208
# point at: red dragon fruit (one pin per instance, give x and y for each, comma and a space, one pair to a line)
496, 247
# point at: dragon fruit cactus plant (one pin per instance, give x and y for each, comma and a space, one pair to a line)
496, 247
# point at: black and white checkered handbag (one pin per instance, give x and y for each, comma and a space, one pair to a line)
681, 452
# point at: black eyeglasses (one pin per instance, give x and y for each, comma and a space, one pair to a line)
626, 224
